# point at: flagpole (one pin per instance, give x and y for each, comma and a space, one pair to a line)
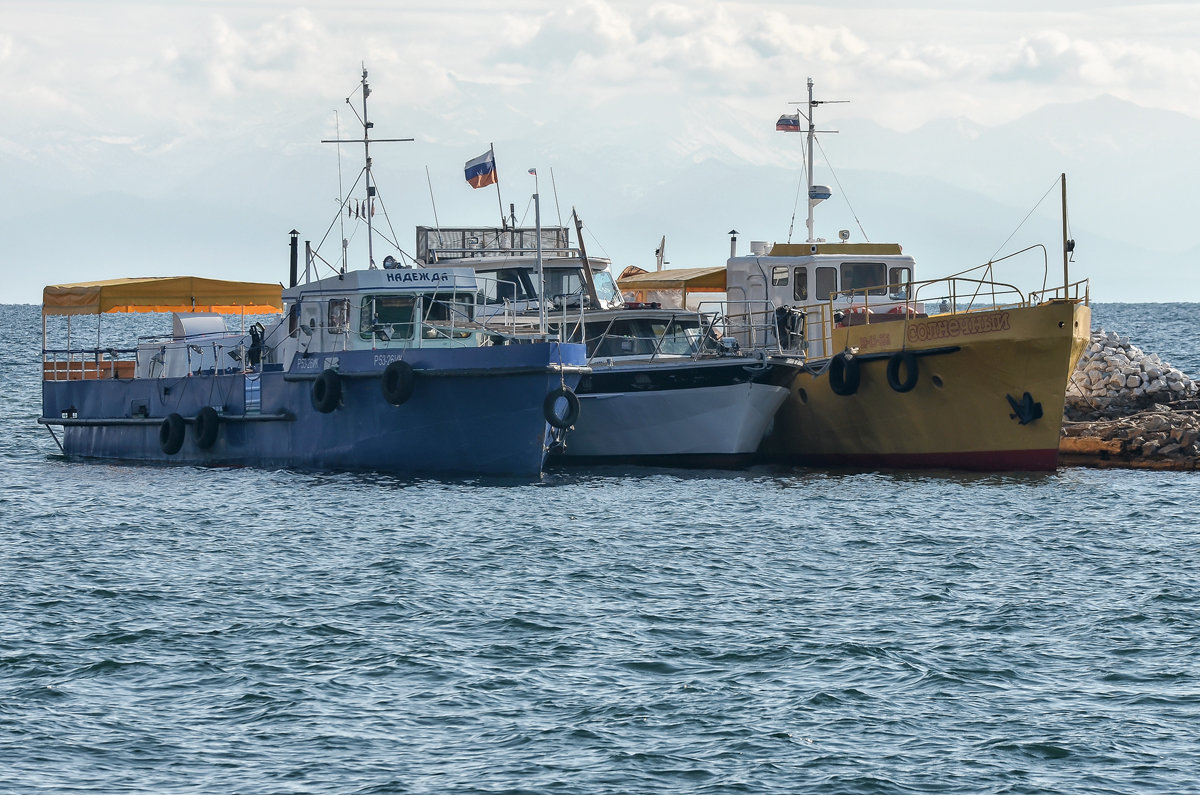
541, 274
499, 201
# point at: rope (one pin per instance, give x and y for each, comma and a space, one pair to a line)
1023, 220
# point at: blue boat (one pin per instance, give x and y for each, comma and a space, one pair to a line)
374, 369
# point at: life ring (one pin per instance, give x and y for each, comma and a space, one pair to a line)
844, 374
550, 408
902, 310
908, 361
205, 427
327, 391
170, 434
398, 382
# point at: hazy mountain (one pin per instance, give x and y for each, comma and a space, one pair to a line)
951, 193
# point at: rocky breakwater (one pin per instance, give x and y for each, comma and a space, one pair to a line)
1127, 408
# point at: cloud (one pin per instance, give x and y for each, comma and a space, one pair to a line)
279, 55
1054, 58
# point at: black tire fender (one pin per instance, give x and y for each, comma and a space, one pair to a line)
550, 408
170, 433
327, 391
912, 371
206, 427
844, 374
398, 382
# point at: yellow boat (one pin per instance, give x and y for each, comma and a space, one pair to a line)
962, 371
885, 383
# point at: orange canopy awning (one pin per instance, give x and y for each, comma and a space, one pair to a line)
693, 280
162, 294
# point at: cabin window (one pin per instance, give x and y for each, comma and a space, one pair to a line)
339, 315
900, 281
386, 317
869, 277
445, 317
674, 337
508, 284
779, 276
800, 286
826, 283
642, 337
564, 283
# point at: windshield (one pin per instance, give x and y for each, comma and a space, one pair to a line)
644, 337
386, 317
606, 289
564, 282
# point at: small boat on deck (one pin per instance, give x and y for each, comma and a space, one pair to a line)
374, 369
662, 388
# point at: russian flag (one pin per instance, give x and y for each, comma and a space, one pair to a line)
481, 171
788, 123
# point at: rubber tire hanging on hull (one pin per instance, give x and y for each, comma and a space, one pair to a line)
170, 434
206, 426
908, 361
327, 391
550, 408
844, 374
398, 382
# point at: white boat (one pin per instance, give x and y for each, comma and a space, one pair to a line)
663, 389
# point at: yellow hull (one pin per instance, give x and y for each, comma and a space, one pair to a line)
968, 408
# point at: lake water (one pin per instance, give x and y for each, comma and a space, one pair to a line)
604, 631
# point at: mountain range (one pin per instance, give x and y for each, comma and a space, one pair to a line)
953, 193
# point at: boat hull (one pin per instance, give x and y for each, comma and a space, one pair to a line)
471, 411
683, 413
968, 408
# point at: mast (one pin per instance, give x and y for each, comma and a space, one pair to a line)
366, 92
812, 135
366, 142
816, 193
1068, 245
541, 276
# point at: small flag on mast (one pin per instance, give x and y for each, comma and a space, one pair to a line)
481, 171
788, 123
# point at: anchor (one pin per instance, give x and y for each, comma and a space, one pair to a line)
1026, 410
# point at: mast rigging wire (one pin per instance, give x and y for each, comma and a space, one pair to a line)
845, 196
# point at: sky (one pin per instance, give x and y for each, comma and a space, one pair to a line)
156, 138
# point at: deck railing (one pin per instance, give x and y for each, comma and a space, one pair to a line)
83, 364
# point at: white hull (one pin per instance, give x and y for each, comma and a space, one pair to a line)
715, 421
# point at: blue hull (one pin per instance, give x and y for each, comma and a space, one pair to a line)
472, 411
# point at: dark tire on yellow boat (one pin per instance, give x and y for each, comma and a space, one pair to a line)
844, 374
206, 426
327, 391
398, 382
550, 408
908, 361
170, 434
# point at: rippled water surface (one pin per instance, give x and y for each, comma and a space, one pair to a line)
603, 631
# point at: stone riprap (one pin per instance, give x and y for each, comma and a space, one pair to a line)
1127, 408
1114, 378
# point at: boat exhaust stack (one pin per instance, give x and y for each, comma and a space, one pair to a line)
295, 258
